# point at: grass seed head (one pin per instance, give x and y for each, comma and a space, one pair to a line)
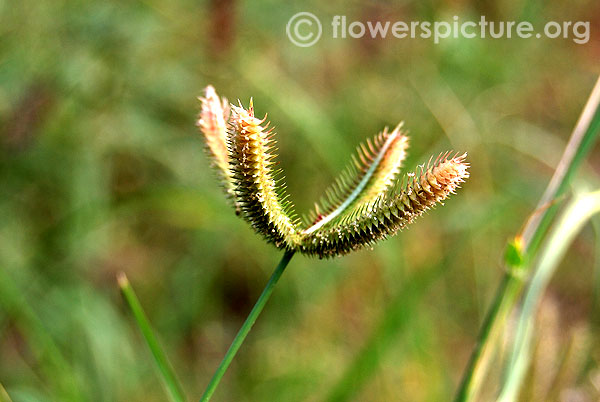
364, 205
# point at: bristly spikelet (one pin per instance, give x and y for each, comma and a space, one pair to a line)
368, 176
260, 194
364, 205
212, 122
387, 214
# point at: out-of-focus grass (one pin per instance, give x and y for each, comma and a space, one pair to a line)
576, 215
521, 258
169, 378
101, 170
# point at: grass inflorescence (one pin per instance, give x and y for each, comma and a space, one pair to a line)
365, 204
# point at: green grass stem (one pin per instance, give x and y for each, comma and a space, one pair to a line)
246, 327
576, 215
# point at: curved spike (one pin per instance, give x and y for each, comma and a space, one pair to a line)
374, 176
260, 187
384, 216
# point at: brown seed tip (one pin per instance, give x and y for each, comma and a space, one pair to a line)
449, 171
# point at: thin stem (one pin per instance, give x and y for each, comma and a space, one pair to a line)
167, 373
247, 326
581, 141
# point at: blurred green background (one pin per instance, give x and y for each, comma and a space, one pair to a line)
102, 170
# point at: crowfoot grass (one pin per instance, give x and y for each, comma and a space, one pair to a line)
372, 172
364, 205
390, 211
258, 187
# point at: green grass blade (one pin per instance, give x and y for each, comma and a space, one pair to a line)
490, 331
582, 139
167, 374
578, 212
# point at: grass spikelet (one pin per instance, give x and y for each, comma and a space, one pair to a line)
212, 122
370, 222
259, 189
371, 173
